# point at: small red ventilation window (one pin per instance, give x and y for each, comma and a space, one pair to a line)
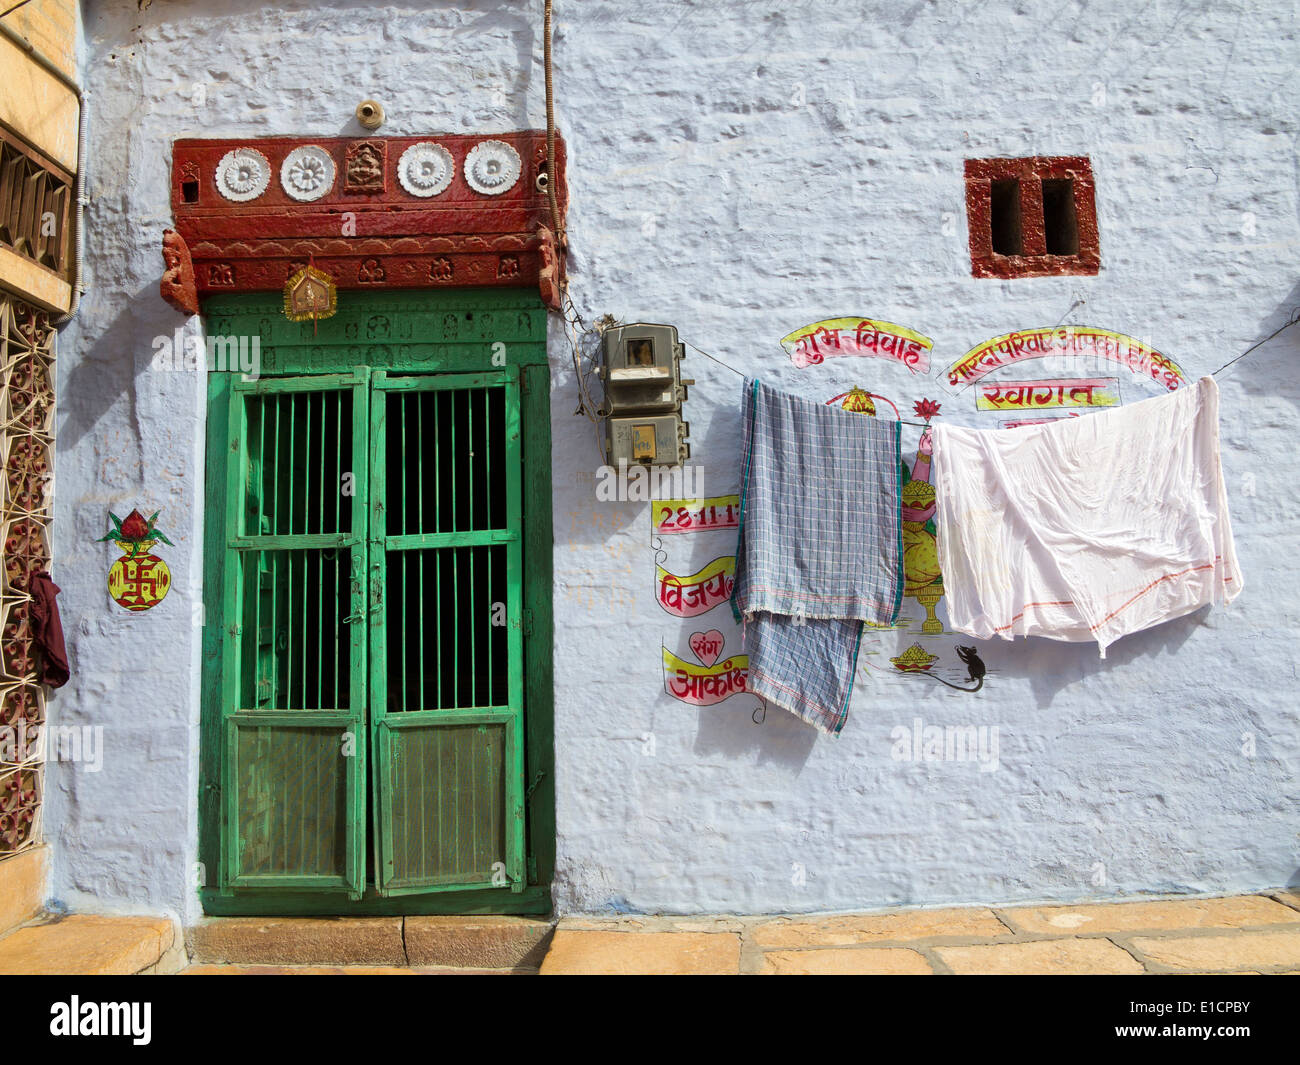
1033, 217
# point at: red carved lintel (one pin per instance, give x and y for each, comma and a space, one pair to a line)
386, 237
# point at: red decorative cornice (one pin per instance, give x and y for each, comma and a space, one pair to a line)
367, 231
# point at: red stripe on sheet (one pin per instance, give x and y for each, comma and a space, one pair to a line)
1059, 602
1127, 603
1158, 580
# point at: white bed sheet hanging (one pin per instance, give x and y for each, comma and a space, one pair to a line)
1086, 528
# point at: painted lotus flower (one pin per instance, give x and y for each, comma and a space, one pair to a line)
926, 408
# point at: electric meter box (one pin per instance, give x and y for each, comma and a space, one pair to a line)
646, 440
641, 368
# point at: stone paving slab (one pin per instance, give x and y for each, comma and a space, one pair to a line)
847, 929
337, 970
1238, 934
85, 944
1209, 953
1040, 957
577, 952
1242, 911
846, 961
654, 923
1288, 898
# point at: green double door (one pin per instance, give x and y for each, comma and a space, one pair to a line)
372, 703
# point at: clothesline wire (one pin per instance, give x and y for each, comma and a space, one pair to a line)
1295, 317
739, 373
1293, 320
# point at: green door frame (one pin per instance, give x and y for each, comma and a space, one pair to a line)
446, 331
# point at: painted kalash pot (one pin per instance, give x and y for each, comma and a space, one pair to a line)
138, 580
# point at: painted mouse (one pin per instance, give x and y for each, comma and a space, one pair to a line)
974, 666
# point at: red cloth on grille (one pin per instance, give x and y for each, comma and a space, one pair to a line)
47, 628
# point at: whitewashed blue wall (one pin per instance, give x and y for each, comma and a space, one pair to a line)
741, 169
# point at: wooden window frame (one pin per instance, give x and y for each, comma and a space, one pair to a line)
1034, 260
59, 184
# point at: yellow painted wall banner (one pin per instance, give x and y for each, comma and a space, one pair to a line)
689, 596
1082, 340
1037, 395
837, 338
695, 515
705, 685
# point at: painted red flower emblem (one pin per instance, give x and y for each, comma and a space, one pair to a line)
134, 527
926, 408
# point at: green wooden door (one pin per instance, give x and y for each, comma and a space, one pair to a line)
374, 536
446, 642
294, 707
377, 649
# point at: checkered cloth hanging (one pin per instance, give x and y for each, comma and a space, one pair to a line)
820, 547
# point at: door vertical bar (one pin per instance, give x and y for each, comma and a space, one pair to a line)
260, 556
437, 556
419, 527
358, 690
489, 441
288, 604
320, 562
403, 399
472, 552
515, 637
232, 644
376, 515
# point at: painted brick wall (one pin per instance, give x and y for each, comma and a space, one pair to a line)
742, 169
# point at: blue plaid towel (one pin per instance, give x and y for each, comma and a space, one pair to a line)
820, 548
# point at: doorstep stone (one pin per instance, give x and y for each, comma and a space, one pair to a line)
1043, 957
1242, 911
298, 940
87, 945
846, 961
1244, 950
577, 952
477, 942
22, 886
848, 929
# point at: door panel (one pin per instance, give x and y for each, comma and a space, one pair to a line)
293, 706
446, 818
293, 801
446, 632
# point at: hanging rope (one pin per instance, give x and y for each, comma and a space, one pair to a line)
552, 198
